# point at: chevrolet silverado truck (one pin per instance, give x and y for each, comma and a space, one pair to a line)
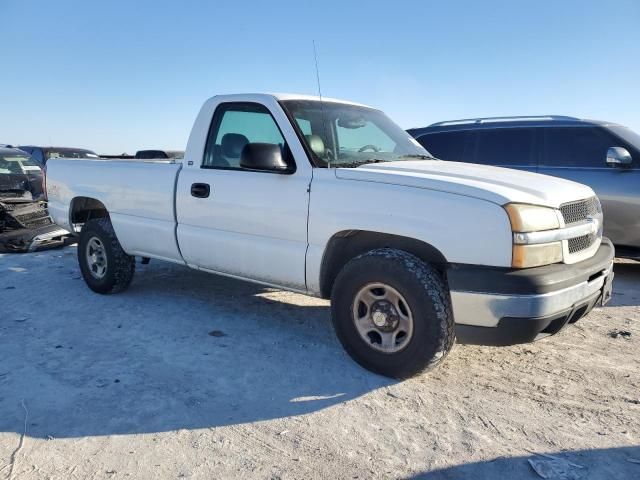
332, 199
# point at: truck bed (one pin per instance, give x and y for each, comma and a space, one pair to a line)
138, 192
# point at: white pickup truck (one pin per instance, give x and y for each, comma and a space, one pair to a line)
331, 198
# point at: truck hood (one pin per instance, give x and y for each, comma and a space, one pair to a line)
494, 184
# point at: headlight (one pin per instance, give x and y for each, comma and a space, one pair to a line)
527, 219
530, 218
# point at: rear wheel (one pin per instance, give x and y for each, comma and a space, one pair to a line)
105, 267
392, 313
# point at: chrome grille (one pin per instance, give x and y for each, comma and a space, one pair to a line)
578, 244
579, 211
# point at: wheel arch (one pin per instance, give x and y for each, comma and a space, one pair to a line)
348, 244
81, 209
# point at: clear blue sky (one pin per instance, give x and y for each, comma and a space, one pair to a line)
120, 75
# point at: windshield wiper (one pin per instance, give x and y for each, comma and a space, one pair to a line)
418, 155
358, 164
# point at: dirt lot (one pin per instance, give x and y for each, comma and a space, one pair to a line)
196, 376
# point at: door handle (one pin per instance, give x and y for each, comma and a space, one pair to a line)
200, 190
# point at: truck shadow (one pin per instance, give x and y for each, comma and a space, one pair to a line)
608, 463
626, 285
179, 350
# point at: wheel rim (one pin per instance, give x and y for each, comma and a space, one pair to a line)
382, 317
96, 258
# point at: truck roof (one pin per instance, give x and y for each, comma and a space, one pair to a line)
288, 96
296, 96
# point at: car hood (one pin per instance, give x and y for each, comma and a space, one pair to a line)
494, 184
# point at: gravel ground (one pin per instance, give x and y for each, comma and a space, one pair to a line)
197, 376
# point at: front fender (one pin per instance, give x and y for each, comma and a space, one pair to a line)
465, 229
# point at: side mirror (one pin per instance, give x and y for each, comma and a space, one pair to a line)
264, 157
619, 157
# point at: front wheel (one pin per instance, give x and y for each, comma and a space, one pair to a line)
105, 266
392, 313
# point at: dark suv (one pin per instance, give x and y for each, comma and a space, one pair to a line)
603, 155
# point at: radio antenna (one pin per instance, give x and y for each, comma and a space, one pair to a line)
315, 56
324, 121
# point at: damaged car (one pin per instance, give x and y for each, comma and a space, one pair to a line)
25, 224
19, 172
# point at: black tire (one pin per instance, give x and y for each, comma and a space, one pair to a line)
120, 267
427, 296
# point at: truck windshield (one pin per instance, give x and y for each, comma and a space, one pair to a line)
343, 135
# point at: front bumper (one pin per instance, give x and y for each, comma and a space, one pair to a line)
502, 306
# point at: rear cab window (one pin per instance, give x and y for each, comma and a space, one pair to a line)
150, 154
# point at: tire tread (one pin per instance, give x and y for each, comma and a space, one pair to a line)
433, 284
124, 264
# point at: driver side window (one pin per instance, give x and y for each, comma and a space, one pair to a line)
367, 137
234, 126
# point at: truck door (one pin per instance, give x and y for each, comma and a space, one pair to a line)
249, 224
